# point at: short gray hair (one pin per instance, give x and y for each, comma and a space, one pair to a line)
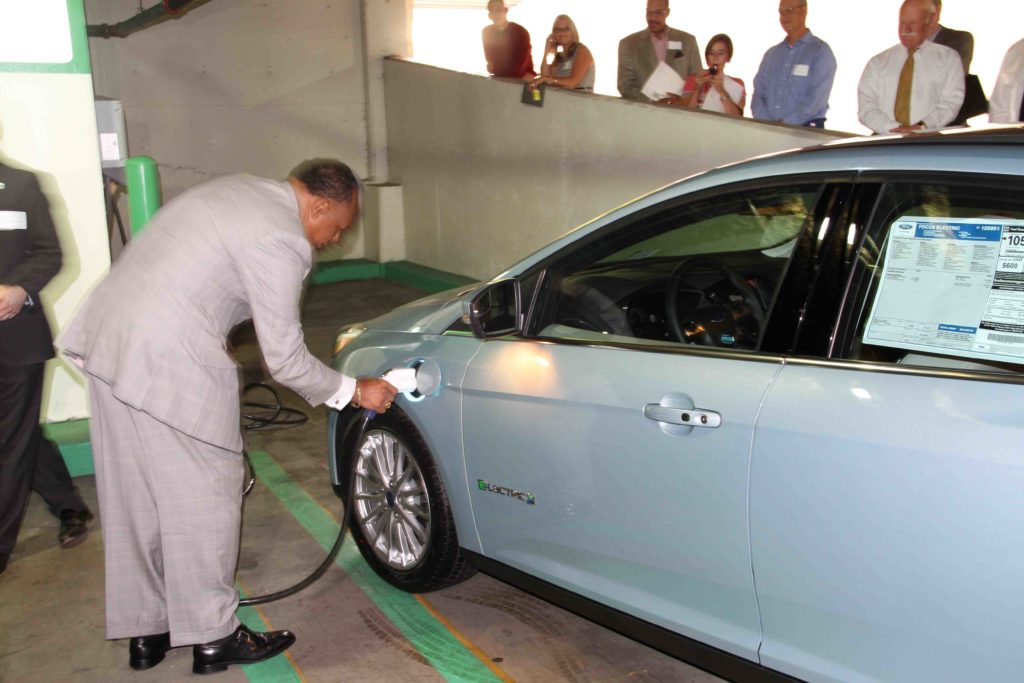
328, 178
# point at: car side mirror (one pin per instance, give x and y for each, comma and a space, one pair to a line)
495, 310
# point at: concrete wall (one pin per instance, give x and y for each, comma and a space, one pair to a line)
241, 86
487, 180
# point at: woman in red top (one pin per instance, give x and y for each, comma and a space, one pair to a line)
712, 90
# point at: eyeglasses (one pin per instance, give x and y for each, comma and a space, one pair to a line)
561, 29
657, 11
787, 11
718, 53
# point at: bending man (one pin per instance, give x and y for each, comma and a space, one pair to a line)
165, 398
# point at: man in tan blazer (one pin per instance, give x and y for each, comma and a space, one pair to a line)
640, 53
164, 393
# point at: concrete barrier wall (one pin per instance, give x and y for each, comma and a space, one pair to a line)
487, 180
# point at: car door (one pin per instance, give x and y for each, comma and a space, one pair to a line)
886, 483
609, 445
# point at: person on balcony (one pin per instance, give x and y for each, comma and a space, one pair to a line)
915, 86
711, 89
506, 45
642, 52
795, 78
568, 63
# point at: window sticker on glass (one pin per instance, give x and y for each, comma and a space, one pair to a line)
952, 286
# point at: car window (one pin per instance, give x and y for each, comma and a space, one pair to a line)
943, 278
747, 226
702, 272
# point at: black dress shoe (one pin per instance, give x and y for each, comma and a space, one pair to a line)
145, 652
74, 527
241, 647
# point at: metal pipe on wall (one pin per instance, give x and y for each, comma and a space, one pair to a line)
167, 9
371, 157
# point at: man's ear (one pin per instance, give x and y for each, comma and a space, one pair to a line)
320, 206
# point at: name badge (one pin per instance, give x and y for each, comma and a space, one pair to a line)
675, 45
13, 220
801, 69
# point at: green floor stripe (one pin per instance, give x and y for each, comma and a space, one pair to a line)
276, 669
435, 642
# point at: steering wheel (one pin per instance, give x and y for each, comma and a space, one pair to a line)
712, 323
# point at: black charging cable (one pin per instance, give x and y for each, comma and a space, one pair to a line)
256, 417
282, 417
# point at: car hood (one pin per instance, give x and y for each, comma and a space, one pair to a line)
429, 315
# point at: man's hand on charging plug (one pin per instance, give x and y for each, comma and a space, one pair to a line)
374, 394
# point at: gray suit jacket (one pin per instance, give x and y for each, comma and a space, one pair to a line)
637, 60
155, 329
961, 41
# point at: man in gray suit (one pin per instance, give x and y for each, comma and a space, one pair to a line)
165, 398
641, 52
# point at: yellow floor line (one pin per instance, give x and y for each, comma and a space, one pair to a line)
466, 642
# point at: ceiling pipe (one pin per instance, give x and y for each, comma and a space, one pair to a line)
167, 9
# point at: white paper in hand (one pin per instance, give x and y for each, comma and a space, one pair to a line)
713, 101
663, 81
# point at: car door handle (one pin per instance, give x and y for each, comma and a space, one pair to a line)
687, 417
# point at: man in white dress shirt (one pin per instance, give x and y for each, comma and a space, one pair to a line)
915, 86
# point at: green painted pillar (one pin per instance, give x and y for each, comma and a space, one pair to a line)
143, 191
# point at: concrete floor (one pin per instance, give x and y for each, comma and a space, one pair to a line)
350, 625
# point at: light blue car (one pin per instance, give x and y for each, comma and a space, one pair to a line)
768, 419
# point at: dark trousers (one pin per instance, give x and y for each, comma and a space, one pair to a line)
27, 459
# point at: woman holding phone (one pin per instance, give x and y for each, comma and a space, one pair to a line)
711, 89
567, 62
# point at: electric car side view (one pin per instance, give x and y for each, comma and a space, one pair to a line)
767, 419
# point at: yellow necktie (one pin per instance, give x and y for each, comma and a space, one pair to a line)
902, 109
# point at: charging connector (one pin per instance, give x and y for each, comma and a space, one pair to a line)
403, 379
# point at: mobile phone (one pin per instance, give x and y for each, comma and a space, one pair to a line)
713, 70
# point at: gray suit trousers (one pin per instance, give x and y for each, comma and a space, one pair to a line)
171, 511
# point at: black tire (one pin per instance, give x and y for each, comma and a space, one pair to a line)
430, 559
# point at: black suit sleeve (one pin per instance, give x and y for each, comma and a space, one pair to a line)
42, 255
967, 52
